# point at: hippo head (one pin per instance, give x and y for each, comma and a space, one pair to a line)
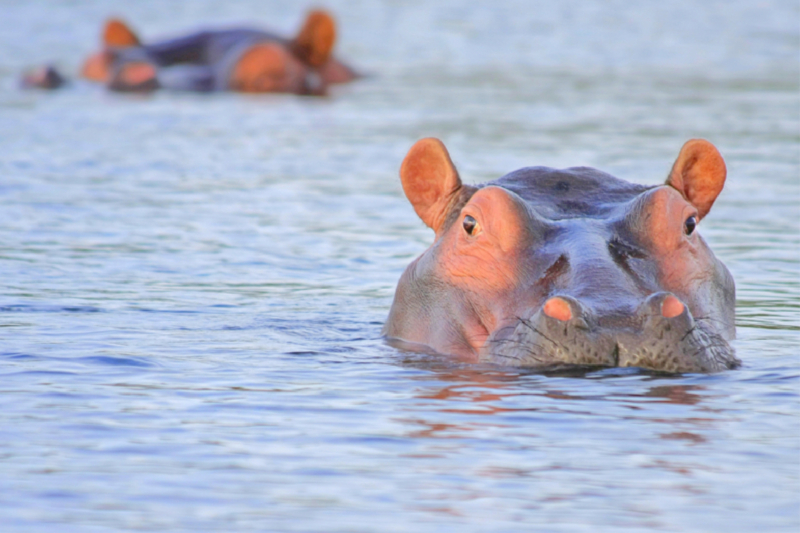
547, 267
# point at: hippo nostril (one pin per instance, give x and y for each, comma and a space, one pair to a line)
558, 308
671, 307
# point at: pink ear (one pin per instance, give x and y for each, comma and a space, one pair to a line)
699, 174
430, 181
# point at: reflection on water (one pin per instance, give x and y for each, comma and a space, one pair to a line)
194, 286
558, 434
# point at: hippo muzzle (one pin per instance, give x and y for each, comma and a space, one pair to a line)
661, 335
547, 267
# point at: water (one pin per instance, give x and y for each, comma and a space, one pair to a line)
194, 286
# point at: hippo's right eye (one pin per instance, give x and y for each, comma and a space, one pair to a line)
689, 225
470, 224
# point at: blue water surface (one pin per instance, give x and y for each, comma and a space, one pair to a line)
193, 286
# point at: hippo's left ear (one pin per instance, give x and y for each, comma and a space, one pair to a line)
430, 181
699, 174
117, 34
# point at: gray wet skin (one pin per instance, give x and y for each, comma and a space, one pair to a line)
547, 267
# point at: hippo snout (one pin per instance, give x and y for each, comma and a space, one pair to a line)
660, 334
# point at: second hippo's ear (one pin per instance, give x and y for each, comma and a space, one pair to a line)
117, 34
699, 174
314, 42
430, 181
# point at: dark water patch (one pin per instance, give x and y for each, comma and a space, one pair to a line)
52, 495
760, 325
168, 311
116, 361
39, 373
319, 472
775, 376
43, 308
17, 356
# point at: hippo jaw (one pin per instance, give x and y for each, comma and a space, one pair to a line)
651, 339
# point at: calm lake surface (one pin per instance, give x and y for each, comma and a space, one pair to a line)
193, 286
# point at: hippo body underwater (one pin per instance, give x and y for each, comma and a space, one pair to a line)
547, 268
228, 59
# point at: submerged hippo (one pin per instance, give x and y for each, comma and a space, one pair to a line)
230, 59
547, 267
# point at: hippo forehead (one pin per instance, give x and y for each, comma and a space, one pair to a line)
577, 192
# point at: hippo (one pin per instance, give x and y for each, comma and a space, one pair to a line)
552, 268
230, 59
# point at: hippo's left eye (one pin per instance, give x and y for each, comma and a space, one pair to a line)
689, 225
470, 224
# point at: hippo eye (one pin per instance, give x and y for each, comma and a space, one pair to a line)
689, 225
470, 224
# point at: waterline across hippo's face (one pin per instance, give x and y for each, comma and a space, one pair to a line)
547, 267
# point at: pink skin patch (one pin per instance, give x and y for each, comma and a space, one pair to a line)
559, 309
137, 73
671, 307
96, 67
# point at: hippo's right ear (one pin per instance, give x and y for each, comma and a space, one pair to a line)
430, 181
698, 174
314, 42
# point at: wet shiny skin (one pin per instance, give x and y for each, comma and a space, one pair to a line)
194, 287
